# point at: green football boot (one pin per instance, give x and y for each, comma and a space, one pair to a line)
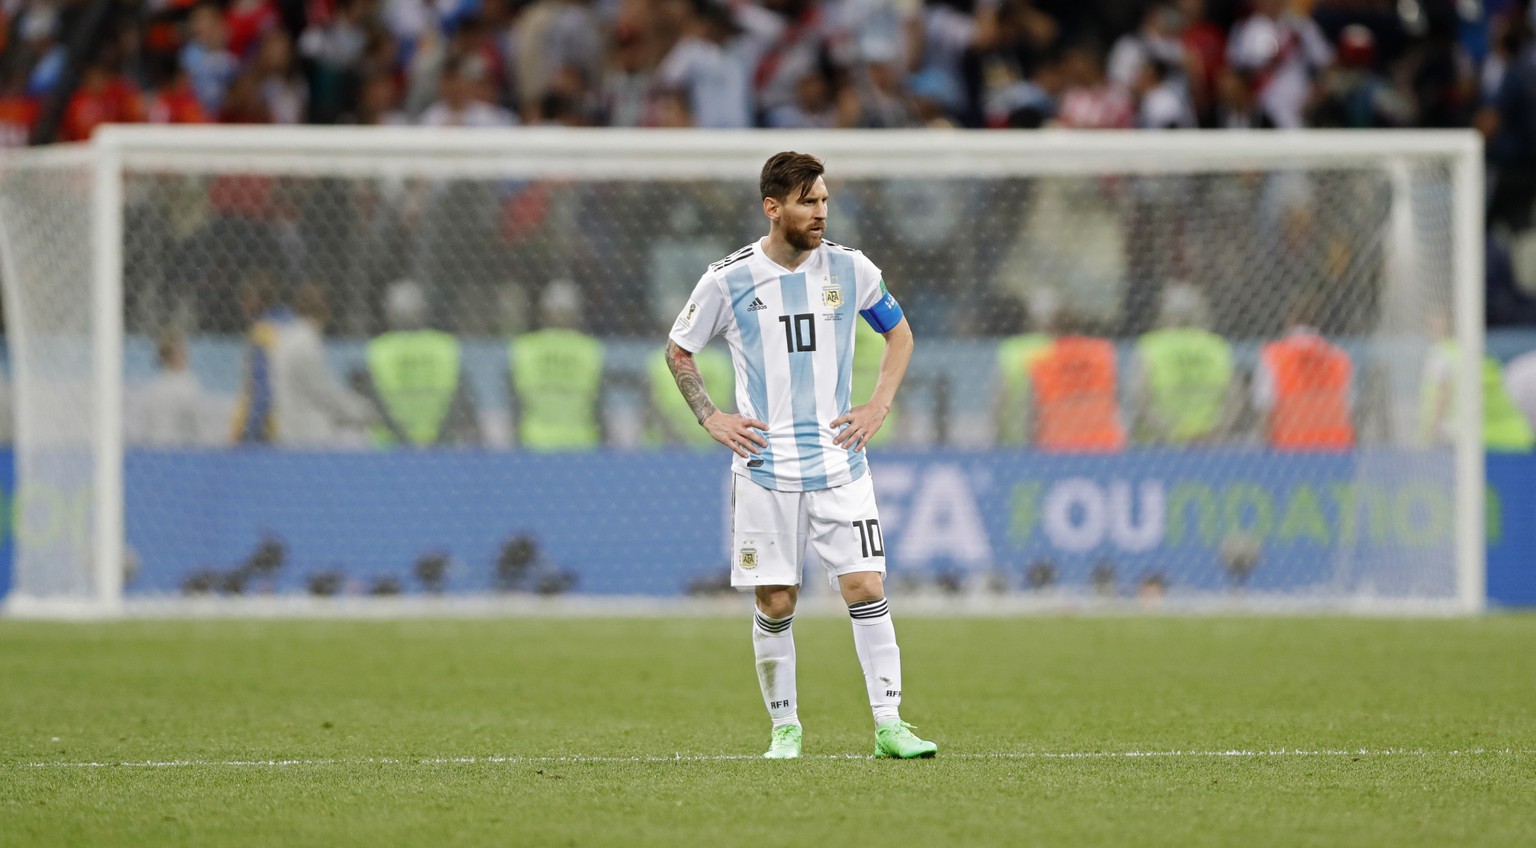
895, 738
785, 744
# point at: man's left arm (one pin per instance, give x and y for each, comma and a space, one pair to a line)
865, 420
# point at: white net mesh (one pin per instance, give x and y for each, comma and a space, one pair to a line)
47, 271
431, 364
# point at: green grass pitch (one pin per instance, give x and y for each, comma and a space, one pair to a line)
1258, 731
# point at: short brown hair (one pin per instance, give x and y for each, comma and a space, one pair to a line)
789, 171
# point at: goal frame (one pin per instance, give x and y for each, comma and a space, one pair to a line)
672, 154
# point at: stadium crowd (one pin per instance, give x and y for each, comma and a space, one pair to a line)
773, 63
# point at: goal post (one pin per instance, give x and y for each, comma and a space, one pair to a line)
145, 233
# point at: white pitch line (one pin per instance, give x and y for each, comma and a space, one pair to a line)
703, 758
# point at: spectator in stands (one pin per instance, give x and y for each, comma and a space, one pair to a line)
104, 96
1303, 386
18, 112
1279, 51
207, 59
554, 38
1016, 356
627, 82
815, 106
1090, 101
1158, 40
784, 40
1162, 98
880, 101
175, 102
334, 46
1510, 125
248, 22
283, 87
244, 102
1505, 427
415, 378
1353, 94
171, 409
1236, 108
310, 407
557, 377
710, 69
1520, 382
1205, 57
1074, 390
1181, 381
1002, 64
462, 102
379, 104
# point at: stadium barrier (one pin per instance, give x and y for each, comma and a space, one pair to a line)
610, 523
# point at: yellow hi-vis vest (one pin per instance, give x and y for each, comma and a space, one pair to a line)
1189, 372
415, 374
557, 375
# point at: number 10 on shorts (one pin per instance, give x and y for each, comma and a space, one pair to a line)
870, 540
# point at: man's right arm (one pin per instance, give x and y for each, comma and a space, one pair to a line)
729, 429
685, 371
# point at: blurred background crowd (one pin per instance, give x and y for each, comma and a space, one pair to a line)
70, 65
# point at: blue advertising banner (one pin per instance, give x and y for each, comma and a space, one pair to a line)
1512, 529
657, 523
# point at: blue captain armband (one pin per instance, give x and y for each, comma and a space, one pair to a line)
885, 314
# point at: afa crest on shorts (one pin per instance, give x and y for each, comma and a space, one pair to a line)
832, 296
748, 559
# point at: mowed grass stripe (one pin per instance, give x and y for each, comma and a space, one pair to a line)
1158, 731
712, 758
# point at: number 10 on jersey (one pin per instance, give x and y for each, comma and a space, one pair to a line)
799, 332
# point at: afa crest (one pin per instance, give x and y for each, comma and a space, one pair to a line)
832, 296
748, 559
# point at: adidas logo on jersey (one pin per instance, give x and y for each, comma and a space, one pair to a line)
757, 303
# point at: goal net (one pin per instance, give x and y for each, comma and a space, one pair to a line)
1152, 369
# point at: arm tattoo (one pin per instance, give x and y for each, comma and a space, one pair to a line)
686, 372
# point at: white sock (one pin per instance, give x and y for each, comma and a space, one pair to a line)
874, 638
773, 642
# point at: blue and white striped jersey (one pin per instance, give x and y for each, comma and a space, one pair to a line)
791, 339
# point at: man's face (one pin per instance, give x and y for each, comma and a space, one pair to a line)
803, 217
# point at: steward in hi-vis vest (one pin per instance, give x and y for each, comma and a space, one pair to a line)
1505, 428
1304, 385
1188, 375
1181, 385
416, 378
557, 378
1076, 406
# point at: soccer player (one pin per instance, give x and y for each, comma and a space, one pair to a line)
787, 304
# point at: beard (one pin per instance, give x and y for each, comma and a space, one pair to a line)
802, 239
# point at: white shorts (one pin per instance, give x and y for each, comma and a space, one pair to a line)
770, 531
